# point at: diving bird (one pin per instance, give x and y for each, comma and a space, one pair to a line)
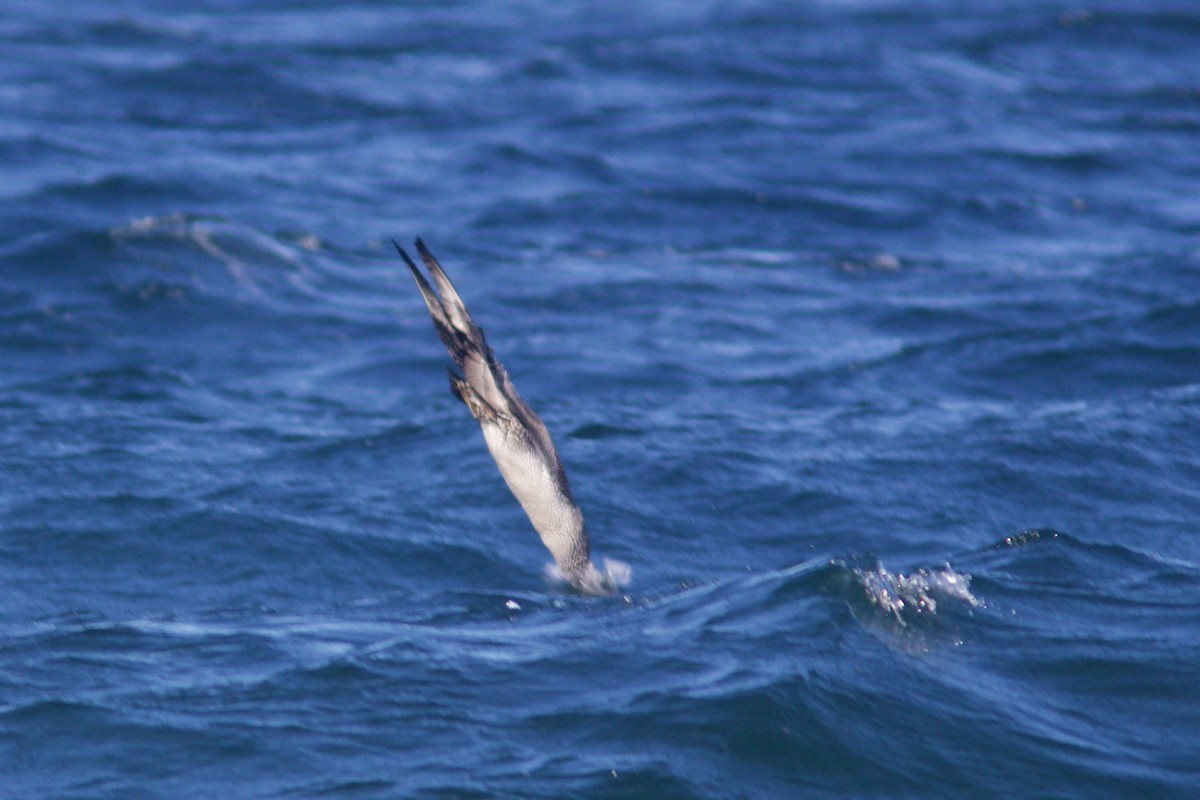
516, 437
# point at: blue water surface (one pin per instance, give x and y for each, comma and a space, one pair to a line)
868, 331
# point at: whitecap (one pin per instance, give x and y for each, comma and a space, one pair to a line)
912, 611
911, 596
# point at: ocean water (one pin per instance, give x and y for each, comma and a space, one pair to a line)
868, 331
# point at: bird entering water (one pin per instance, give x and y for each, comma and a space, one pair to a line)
515, 435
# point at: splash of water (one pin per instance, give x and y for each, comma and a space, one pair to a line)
609, 579
916, 595
914, 611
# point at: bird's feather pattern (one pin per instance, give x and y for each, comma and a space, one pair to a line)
515, 435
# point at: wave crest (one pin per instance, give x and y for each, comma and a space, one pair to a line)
914, 610
907, 597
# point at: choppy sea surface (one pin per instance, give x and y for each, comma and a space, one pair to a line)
869, 333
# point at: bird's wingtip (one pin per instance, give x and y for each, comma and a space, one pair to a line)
403, 254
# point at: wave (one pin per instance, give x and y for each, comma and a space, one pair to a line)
769, 669
909, 598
